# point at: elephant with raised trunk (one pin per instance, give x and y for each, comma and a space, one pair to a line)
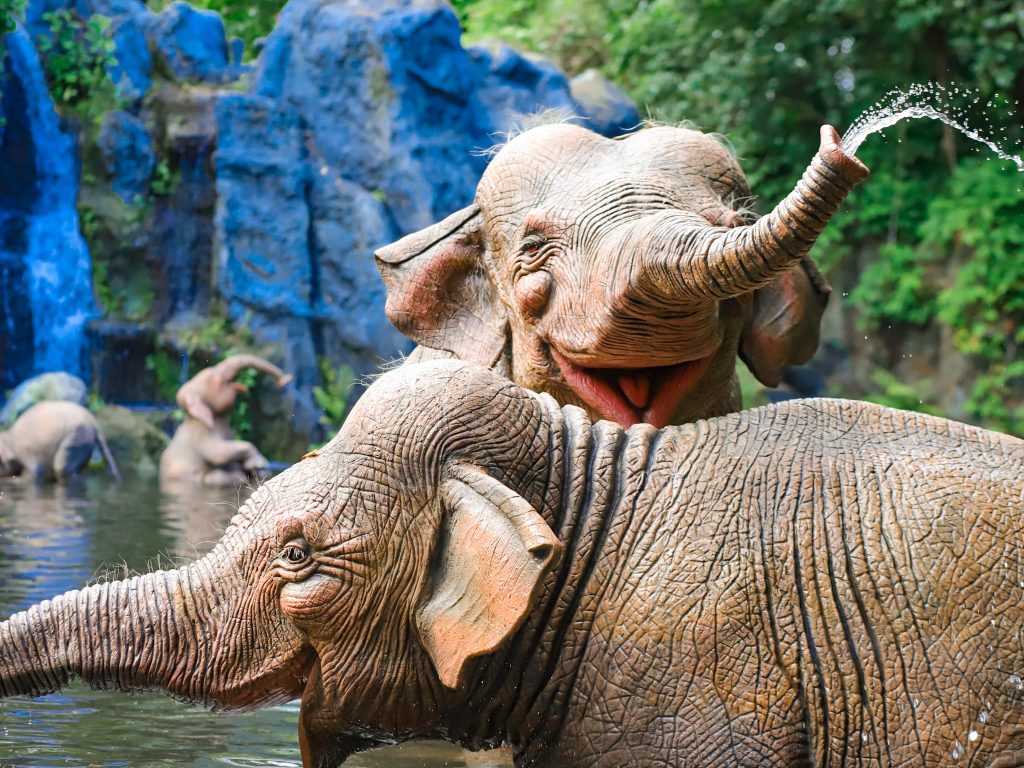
616, 275
204, 449
815, 583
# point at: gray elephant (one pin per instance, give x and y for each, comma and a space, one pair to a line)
204, 449
620, 275
819, 582
52, 441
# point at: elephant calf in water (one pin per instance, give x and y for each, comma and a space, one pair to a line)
814, 583
52, 441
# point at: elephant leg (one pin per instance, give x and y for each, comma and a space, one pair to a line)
221, 453
69, 459
224, 477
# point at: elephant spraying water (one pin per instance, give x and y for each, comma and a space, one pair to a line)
820, 582
619, 275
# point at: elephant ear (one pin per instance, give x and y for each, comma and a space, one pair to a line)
493, 553
785, 323
193, 404
438, 292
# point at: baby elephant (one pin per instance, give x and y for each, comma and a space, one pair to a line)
204, 448
819, 582
50, 441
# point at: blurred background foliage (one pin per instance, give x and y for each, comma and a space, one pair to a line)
932, 243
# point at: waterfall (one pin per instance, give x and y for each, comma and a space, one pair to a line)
45, 271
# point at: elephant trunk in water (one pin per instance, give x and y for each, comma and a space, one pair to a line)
129, 635
719, 263
158, 631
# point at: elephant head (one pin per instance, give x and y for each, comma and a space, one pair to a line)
617, 275
364, 579
211, 393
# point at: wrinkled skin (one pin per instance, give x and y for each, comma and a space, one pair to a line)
616, 275
820, 582
52, 441
204, 449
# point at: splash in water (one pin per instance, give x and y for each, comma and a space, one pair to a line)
929, 100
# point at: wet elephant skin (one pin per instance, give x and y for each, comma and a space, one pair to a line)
820, 582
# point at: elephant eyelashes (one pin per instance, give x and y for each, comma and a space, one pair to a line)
533, 252
295, 553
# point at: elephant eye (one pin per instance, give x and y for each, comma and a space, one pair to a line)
533, 244
533, 253
296, 552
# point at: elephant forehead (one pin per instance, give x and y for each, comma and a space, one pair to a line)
535, 158
570, 168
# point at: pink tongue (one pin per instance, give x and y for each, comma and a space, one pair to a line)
636, 388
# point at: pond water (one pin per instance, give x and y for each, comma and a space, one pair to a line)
53, 539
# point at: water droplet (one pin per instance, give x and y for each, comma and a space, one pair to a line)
1015, 681
780, 47
929, 100
972, 735
983, 716
915, 703
863, 737
958, 750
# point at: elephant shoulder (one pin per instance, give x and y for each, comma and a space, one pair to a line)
835, 426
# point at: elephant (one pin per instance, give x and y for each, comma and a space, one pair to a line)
203, 449
816, 582
618, 276
52, 441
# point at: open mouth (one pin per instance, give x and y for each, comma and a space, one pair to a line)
633, 395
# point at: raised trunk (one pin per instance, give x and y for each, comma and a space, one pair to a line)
714, 263
142, 633
232, 366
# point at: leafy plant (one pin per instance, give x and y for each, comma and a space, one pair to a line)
249, 20
10, 12
164, 180
898, 394
167, 374
332, 394
216, 336
241, 416
76, 54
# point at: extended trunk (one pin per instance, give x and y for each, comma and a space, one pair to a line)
142, 633
234, 365
690, 259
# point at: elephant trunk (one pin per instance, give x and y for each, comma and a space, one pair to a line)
719, 263
141, 633
232, 366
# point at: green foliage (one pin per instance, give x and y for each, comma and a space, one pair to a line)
241, 416
215, 336
164, 180
76, 55
898, 394
988, 402
332, 394
892, 289
248, 19
166, 368
10, 12
121, 281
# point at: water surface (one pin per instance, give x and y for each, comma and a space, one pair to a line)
53, 539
